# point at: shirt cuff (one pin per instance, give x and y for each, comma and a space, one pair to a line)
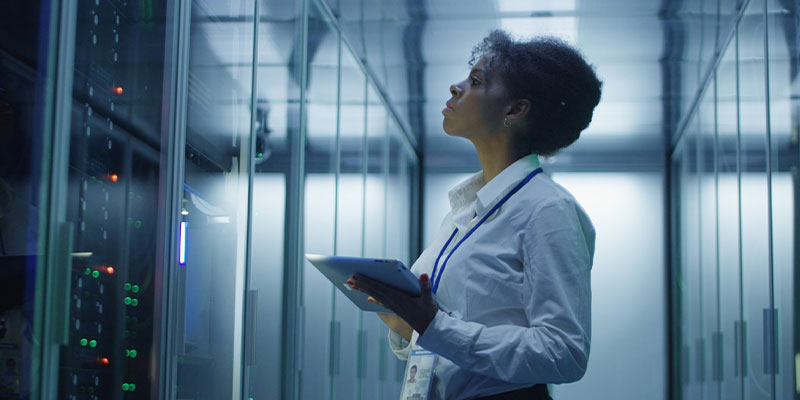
440, 338
399, 345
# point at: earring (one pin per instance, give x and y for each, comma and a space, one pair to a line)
506, 123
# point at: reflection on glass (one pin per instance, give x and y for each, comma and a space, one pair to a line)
209, 350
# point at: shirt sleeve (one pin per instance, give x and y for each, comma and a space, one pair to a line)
557, 252
400, 346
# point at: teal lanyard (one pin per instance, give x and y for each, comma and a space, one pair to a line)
435, 279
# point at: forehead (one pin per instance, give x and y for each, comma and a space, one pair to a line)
482, 63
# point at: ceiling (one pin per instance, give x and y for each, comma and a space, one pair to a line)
415, 49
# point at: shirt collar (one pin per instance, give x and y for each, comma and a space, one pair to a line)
473, 190
501, 184
464, 193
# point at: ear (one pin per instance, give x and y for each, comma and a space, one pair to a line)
517, 110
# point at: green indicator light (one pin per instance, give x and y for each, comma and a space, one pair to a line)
134, 302
252, 398
135, 289
127, 353
258, 155
133, 353
127, 286
132, 387
90, 390
84, 342
137, 224
125, 387
93, 343
127, 300
87, 271
95, 274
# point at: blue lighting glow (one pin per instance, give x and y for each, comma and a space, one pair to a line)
182, 245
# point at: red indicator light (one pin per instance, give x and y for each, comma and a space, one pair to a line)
104, 360
110, 270
114, 177
117, 89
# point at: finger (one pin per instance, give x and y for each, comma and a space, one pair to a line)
373, 287
425, 287
373, 300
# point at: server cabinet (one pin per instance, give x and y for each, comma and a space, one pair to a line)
114, 199
87, 267
753, 178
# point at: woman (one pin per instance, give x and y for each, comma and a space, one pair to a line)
506, 300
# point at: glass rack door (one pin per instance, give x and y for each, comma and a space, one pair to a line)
209, 279
114, 199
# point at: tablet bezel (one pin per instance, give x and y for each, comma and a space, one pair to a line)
338, 269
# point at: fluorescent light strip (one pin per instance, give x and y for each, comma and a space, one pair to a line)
182, 245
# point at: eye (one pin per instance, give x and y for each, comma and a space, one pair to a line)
474, 81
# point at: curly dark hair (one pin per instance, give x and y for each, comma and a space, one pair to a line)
562, 87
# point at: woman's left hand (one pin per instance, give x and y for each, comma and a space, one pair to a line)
417, 311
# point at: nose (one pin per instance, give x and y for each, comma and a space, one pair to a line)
454, 90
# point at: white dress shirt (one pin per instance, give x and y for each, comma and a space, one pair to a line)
515, 297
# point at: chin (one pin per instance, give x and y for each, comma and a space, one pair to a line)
448, 130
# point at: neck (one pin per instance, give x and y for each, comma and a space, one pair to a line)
495, 155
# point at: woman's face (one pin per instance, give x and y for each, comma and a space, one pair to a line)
476, 104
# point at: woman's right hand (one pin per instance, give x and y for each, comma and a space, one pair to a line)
397, 324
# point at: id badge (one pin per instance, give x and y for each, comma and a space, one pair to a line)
418, 379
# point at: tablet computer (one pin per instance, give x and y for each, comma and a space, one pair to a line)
339, 269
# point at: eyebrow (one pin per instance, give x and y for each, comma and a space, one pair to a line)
477, 70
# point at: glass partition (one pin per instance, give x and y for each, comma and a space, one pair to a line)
710, 339
211, 275
753, 354
277, 118
375, 231
754, 202
784, 92
350, 221
693, 351
319, 216
728, 226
